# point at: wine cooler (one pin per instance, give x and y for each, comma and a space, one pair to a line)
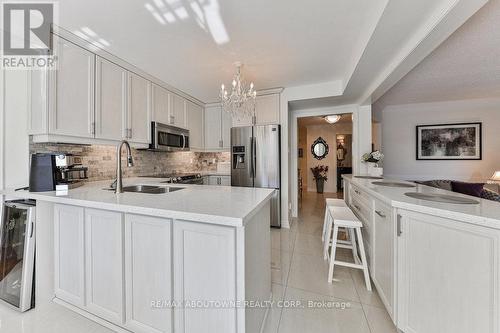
17, 254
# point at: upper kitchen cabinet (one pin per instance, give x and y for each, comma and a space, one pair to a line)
161, 101
177, 114
267, 111
195, 124
72, 104
139, 109
111, 101
217, 128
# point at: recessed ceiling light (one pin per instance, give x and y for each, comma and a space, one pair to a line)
332, 119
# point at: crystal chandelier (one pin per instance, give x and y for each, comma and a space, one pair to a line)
241, 102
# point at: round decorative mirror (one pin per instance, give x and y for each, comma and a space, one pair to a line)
319, 148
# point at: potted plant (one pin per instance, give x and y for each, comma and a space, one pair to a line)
320, 173
373, 159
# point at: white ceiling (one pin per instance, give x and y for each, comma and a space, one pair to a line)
312, 121
465, 66
358, 46
192, 44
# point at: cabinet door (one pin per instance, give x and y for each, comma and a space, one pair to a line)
267, 109
447, 276
242, 121
111, 100
72, 89
213, 123
177, 111
383, 272
161, 101
139, 111
69, 263
204, 252
148, 271
225, 180
227, 123
195, 125
104, 264
213, 180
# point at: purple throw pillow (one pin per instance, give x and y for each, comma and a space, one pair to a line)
474, 189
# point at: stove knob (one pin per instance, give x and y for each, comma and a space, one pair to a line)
179, 179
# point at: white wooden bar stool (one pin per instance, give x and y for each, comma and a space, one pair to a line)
327, 242
330, 202
346, 219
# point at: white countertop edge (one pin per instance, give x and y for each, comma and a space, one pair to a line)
445, 213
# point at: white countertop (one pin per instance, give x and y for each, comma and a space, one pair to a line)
486, 213
224, 205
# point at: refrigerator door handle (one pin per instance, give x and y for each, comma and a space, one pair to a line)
254, 157
252, 173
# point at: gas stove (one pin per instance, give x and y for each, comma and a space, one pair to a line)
180, 178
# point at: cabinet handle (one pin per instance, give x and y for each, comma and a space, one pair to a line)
254, 120
357, 207
379, 213
398, 226
130, 133
172, 119
92, 128
221, 143
357, 192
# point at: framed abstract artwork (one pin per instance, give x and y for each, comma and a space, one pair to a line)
449, 142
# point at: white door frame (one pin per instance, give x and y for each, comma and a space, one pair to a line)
361, 133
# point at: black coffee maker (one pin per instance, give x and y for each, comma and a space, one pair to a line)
55, 172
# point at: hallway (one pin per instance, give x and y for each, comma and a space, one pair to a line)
299, 273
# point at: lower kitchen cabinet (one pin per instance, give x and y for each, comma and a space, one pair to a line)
383, 270
204, 252
104, 283
448, 280
219, 180
69, 261
148, 244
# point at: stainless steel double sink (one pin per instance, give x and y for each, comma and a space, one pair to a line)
149, 189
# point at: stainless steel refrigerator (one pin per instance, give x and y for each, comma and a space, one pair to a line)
255, 162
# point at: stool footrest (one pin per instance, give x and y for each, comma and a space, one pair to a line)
348, 264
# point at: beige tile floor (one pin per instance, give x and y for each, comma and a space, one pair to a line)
299, 273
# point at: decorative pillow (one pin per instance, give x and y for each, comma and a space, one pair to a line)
490, 195
438, 183
474, 189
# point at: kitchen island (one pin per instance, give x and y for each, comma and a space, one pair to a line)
435, 265
188, 260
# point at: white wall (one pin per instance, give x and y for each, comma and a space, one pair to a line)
399, 139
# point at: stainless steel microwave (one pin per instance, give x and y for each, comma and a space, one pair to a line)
168, 138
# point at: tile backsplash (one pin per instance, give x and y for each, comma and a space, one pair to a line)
101, 160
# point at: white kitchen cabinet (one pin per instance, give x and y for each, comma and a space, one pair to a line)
195, 123
177, 111
148, 243
104, 285
267, 111
111, 101
161, 104
383, 270
204, 252
213, 128
139, 109
227, 123
71, 111
219, 180
69, 260
448, 275
217, 129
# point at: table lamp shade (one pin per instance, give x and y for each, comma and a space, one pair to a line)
496, 176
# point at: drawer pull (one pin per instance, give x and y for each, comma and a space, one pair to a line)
379, 213
357, 207
357, 192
